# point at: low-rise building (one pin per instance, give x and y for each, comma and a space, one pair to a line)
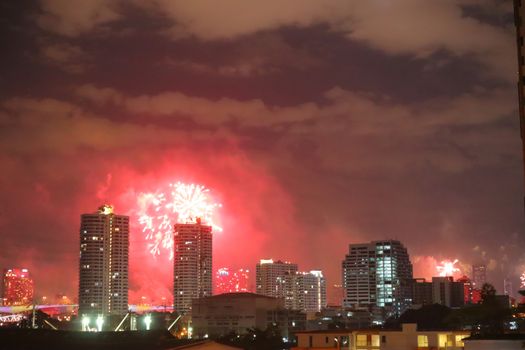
338, 317
323, 339
222, 314
499, 342
408, 337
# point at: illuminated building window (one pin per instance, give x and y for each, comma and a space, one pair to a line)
375, 340
450, 340
442, 340
361, 340
459, 340
422, 341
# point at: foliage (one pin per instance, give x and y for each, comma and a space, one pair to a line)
489, 317
256, 339
427, 317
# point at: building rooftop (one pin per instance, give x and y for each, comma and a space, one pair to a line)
377, 329
327, 331
513, 336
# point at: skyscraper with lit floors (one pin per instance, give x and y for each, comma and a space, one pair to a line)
192, 264
305, 291
103, 270
378, 274
270, 277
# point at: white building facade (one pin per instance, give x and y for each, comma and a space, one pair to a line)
104, 260
192, 264
305, 291
270, 277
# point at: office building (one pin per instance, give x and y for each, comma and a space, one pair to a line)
446, 291
305, 291
378, 274
421, 292
479, 276
17, 287
335, 295
192, 264
104, 258
269, 276
442, 290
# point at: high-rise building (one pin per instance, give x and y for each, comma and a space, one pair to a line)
305, 291
232, 281
335, 295
269, 277
104, 257
421, 292
479, 276
378, 274
17, 287
192, 264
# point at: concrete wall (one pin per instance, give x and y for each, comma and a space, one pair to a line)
494, 344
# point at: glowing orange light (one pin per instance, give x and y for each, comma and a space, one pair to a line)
447, 268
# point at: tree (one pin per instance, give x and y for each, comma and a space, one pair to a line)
488, 294
489, 317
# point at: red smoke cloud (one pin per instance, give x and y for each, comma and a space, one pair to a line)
255, 209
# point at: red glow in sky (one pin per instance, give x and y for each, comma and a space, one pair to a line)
448, 268
180, 202
254, 207
309, 150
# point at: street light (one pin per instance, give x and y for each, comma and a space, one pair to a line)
147, 321
100, 322
85, 323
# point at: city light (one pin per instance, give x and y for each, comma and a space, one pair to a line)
447, 268
180, 203
85, 323
106, 209
147, 322
100, 322
18, 287
232, 281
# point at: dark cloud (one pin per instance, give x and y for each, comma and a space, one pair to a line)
315, 126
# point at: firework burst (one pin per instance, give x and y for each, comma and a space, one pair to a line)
447, 268
182, 203
522, 281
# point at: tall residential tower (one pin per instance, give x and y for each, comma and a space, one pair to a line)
479, 275
305, 291
192, 264
104, 251
270, 276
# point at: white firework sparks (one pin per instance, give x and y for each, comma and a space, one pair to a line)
185, 203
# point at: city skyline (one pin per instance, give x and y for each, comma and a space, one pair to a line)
278, 275
314, 130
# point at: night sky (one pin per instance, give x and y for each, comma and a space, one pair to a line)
316, 124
